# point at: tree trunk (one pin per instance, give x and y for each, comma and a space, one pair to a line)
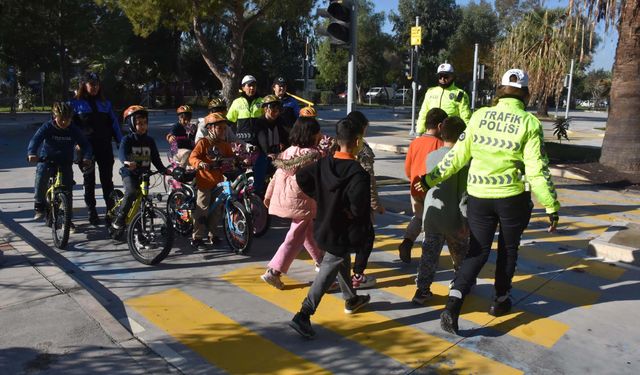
621, 145
543, 107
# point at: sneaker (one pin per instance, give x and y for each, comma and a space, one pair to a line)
93, 217
272, 279
198, 244
302, 324
214, 240
405, 250
317, 268
38, 215
362, 281
421, 297
500, 308
356, 303
72, 228
449, 317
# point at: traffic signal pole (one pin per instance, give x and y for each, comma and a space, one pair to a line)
414, 86
474, 90
351, 70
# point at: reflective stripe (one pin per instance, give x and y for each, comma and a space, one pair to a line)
496, 142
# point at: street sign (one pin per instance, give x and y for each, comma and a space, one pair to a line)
416, 35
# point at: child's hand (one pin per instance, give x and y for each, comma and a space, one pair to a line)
171, 138
32, 158
86, 163
131, 165
267, 201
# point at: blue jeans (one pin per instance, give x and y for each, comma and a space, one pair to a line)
43, 171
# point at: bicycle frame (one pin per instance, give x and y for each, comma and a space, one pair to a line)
142, 194
55, 182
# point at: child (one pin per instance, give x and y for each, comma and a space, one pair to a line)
444, 215
216, 105
58, 138
203, 158
365, 158
414, 167
137, 151
285, 199
181, 136
340, 187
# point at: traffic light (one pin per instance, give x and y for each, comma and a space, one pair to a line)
339, 28
408, 64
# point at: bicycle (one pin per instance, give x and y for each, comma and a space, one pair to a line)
149, 231
58, 207
242, 186
237, 222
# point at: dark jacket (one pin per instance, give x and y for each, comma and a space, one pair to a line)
183, 139
341, 190
143, 150
96, 119
58, 145
269, 135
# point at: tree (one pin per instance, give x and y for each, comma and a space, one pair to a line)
621, 145
542, 43
438, 19
220, 28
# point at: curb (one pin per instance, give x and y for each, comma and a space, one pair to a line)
603, 246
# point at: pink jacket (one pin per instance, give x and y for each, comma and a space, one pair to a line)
287, 200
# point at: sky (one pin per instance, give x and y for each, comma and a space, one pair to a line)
604, 54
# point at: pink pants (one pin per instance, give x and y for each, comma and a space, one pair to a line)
300, 234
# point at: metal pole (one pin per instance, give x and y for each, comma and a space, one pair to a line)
351, 71
566, 113
474, 90
414, 86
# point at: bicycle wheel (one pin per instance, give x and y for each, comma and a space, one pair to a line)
179, 212
259, 215
150, 236
237, 227
60, 219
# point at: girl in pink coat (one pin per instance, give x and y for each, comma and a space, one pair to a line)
285, 199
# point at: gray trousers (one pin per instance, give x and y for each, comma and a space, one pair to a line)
330, 267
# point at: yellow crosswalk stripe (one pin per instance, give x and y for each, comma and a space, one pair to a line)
553, 289
597, 196
218, 339
405, 344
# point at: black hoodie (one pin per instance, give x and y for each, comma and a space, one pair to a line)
341, 190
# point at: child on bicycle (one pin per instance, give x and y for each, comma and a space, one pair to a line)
137, 151
58, 138
340, 187
181, 137
285, 199
205, 158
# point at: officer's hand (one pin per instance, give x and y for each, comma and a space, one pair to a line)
421, 184
32, 158
553, 222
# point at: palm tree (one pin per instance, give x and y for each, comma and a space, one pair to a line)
621, 146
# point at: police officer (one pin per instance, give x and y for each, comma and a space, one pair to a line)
447, 96
503, 144
290, 107
245, 109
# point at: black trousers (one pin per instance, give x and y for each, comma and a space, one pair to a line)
104, 163
484, 215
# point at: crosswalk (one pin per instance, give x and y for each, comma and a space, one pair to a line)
554, 275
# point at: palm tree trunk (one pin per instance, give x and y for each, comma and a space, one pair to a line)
621, 145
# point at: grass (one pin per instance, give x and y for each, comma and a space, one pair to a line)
33, 109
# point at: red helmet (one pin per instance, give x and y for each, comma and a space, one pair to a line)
129, 113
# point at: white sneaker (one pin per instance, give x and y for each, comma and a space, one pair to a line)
38, 215
272, 280
363, 281
317, 269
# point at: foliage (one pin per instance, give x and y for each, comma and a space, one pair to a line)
438, 19
598, 84
560, 127
26, 98
542, 44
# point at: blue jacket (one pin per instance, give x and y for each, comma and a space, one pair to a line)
99, 126
143, 150
290, 110
58, 145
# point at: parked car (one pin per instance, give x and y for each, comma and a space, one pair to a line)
402, 94
379, 93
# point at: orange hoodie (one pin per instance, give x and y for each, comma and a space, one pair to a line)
208, 178
415, 164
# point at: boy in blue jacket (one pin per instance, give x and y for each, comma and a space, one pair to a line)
58, 138
137, 151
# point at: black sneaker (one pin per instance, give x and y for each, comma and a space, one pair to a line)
93, 217
449, 317
500, 308
198, 244
421, 297
405, 250
302, 324
356, 303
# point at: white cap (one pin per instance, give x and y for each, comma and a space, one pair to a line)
445, 68
522, 79
248, 79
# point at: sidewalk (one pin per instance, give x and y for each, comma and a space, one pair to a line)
51, 324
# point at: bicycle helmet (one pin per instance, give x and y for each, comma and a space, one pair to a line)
214, 118
308, 112
62, 109
129, 115
183, 109
217, 105
271, 100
